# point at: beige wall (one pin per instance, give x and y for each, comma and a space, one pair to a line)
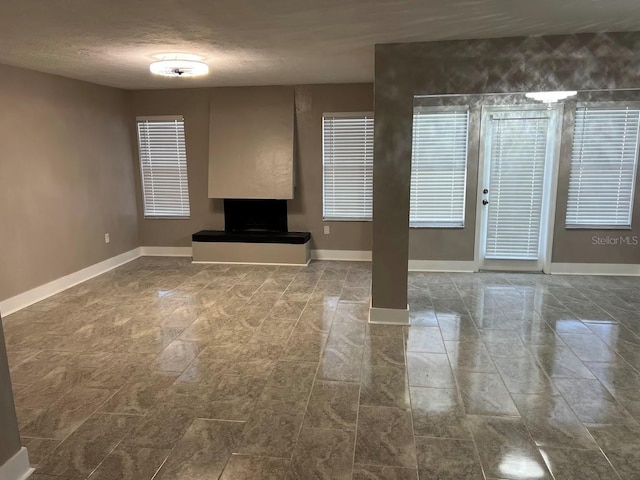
565, 62
9, 436
66, 178
305, 210
251, 142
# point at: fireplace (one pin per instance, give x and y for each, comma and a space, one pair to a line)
255, 215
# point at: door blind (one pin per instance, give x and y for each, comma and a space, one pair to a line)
438, 167
517, 170
347, 159
163, 164
603, 167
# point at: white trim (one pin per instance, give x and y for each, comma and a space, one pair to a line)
166, 251
349, 255
388, 316
253, 263
442, 266
620, 269
23, 300
17, 467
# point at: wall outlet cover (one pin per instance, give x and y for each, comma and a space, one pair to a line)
106, 238
327, 229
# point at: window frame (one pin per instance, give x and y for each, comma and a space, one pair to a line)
443, 110
364, 116
161, 118
604, 105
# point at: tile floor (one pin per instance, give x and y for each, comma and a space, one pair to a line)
162, 369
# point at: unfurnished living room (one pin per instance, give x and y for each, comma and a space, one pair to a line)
324, 240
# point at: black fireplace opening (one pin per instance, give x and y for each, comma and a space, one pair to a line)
244, 215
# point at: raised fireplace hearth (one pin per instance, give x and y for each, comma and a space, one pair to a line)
256, 231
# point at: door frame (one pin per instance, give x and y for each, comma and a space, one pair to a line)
551, 179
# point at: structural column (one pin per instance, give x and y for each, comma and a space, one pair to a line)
391, 191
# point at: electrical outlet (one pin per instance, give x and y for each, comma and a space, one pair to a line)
106, 238
327, 229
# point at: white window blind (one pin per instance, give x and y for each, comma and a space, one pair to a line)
603, 167
439, 167
163, 164
517, 171
347, 160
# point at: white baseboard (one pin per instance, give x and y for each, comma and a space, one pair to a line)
442, 266
388, 316
17, 467
620, 269
253, 263
38, 294
166, 251
345, 255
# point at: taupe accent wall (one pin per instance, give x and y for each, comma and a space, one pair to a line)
251, 143
66, 177
305, 210
9, 436
521, 64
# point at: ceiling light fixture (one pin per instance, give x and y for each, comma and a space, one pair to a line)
550, 97
177, 65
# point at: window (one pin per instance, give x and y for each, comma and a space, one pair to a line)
439, 166
347, 160
603, 167
163, 165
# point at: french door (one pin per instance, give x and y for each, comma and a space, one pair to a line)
518, 163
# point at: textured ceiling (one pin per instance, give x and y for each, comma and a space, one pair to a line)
268, 42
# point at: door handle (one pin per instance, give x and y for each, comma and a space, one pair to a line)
485, 202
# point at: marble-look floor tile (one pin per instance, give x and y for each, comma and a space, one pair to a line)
242, 467
591, 402
485, 394
438, 412
425, 339
131, 463
326, 454
39, 448
385, 437
333, 405
67, 414
376, 472
163, 426
80, 453
429, 370
341, 362
139, 395
208, 362
506, 449
469, 356
203, 451
560, 362
523, 376
177, 356
570, 464
387, 350
271, 434
552, 423
447, 459
385, 385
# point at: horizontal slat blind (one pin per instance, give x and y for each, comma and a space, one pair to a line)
347, 167
438, 167
603, 167
518, 152
163, 163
